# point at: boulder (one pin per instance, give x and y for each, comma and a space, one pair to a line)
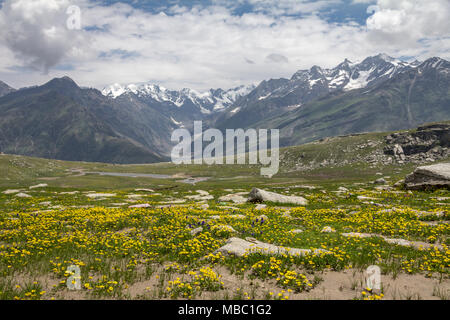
259, 195
433, 176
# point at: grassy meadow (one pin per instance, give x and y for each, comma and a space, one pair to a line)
145, 238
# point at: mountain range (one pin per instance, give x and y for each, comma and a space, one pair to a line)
213, 100
133, 123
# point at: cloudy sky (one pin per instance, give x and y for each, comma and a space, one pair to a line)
204, 44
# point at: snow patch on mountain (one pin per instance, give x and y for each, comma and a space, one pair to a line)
360, 81
214, 100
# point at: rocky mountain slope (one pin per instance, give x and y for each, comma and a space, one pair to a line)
59, 120
5, 89
426, 144
408, 99
207, 102
281, 95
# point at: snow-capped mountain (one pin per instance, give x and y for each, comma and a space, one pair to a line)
276, 96
207, 102
308, 84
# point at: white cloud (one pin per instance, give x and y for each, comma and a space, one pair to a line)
408, 21
206, 47
34, 30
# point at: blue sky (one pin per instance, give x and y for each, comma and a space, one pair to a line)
341, 11
209, 43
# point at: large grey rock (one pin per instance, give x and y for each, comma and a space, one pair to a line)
239, 247
436, 175
259, 195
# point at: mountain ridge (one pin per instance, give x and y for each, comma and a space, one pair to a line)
213, 100
5, 89
275, 96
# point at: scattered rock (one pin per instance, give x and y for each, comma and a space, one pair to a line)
400, 242
134, 196
202, 195
328, 230
296, 231
236, 198
258, 195
175, 201
11, 191
380, 181
366, 198
260, 206
42, 185
240, 247
100, 195
357, 234
23, 195
142, 205
196, 231
144, 190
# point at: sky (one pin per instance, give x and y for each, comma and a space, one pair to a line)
202, 44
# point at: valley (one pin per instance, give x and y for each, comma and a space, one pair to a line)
141, 232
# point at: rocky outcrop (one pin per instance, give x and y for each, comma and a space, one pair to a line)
434, 176
427, 143
259, 195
